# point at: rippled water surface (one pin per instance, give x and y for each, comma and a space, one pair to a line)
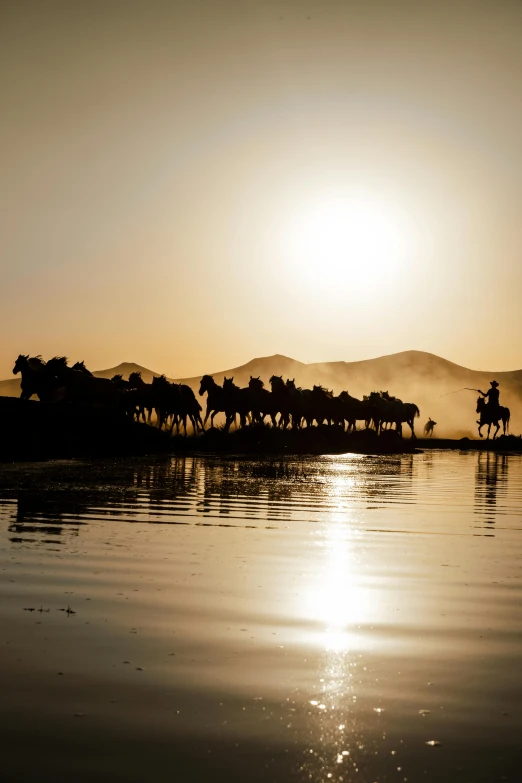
338, 618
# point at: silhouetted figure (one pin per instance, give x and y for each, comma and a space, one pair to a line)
35, 380
80, 367
388, 409
492, 396
492, 414
429, 427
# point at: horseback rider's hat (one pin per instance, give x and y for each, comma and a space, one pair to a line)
493, 383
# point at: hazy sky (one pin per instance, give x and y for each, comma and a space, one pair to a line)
189, 185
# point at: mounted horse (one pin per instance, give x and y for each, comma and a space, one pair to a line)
497, 414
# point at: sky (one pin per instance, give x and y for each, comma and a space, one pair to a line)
189, 185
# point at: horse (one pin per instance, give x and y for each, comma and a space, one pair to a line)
236, 401
355, 410
495, 416
35, 380
145, 395
388, 409
130, 402
281, 398
80, 366
429, 427
299, 403
178, 401
82, 388
262, 402
215, 398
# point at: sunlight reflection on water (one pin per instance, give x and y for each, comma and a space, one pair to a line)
331, 614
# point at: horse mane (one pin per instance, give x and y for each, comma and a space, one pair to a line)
60, 360
116, 378
35, 362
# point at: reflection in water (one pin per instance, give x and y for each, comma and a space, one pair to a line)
490, 482
344, 610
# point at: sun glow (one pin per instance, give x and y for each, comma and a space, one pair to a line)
349, 240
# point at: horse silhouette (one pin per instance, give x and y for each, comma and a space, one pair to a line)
215, 398
355, 410
391, 410
262, 402
237, 401
82, 388
80, 366
496, 415
144, 396
177, 401
36, 380
281, 400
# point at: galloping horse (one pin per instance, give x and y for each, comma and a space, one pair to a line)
281, 398
145, 395
215, 398
236, 401
80, 366
262, 402
494, 416
83, 388
35, 380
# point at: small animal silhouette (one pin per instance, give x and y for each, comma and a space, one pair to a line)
429, 427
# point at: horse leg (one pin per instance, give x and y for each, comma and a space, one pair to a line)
496, 431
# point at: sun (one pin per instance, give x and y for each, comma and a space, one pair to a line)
347, 240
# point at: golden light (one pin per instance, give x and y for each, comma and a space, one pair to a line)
354, 239
337, 599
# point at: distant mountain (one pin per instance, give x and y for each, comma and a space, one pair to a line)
431, 382
125, 369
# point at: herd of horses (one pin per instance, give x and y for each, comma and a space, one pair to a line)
174, 404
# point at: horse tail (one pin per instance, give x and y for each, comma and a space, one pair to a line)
417, 412
508, 417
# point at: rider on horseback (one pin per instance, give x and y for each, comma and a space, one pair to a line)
493, 396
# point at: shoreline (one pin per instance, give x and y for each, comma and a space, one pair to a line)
35, 431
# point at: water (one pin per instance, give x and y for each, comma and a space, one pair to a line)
318, 619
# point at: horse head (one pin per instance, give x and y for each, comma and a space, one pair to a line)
255, 383
21, 363
160, 382
57, 366
206, 383
80, 367
481, 404
135, 380
117, 378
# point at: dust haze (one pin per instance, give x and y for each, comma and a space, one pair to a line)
429, 381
